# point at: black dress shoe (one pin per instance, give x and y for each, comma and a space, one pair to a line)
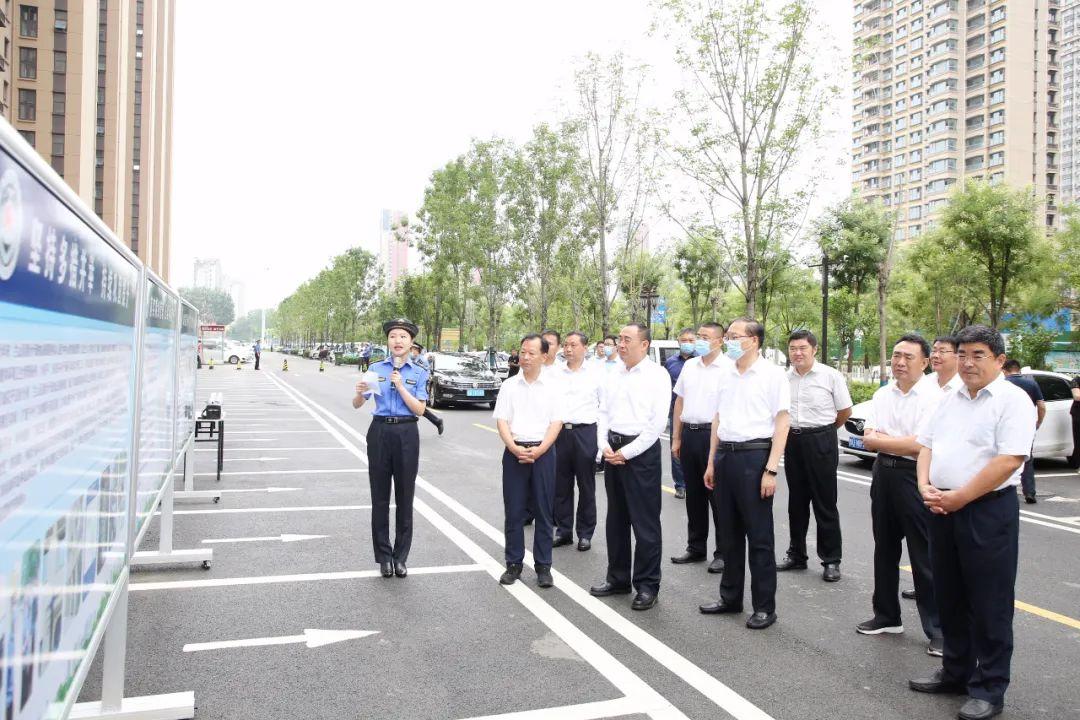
528, 521
680, 493
790, 563
760, 620
643, 601
716, 566
976, 709
908, 594
561, 540
400, 569
688, 557
513, 572
831, 573
584, 544
937, 684
718, 608
1030, 499
387, 568
605, 589
543, 576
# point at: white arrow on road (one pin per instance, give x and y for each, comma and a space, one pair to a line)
262, 490
268, 538
261, 459
312, 638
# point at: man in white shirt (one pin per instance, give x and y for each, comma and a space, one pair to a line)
695, 406
749, 431
554, 341
820, 403
970, 460
575, 450
633, 413
943, 364
899, 412
527, 412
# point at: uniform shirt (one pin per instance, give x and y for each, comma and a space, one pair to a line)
388, 402
902, 415
965, 434
580, 390
529, 408
955, 382
634, 402
818, 396
697, 386
1028, 385
674, 365
612, 363
747, 403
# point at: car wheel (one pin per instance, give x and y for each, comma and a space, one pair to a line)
234, 360
1073, 460
433, 399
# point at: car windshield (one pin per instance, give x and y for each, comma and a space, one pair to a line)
459, 362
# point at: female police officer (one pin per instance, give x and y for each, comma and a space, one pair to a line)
393, 443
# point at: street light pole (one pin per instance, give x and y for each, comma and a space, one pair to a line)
825, 308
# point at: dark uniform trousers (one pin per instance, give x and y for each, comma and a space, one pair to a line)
694, 455
897, 513
393, 452
528, 486
810, 461
746, 521
258, 356
576, 455
633, 503
974, 554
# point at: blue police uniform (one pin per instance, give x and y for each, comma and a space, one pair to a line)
393, 451
674, 366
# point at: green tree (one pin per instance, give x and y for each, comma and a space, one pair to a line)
697, 263
215, 306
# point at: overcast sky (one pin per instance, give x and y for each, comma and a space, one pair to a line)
296, 123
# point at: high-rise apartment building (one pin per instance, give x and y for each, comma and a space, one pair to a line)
88, 83
394, 236
1070, 101
208, 274
952, 89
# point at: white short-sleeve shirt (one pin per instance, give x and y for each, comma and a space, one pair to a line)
529, 408
697, 386
634, 401
818, 396
747, 403
580, 392
900, 414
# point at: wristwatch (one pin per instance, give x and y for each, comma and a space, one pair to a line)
770, 472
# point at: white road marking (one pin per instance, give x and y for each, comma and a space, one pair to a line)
282, 472
1060, 499
312, 638
307, 508
258, 459
268, 538
262, 490
304, 577
586, 711
268, 432
1068, 474
230, 450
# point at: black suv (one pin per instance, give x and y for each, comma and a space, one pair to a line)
461, 378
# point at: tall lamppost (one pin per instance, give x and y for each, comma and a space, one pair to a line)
648, 298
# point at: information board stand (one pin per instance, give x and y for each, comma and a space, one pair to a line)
189, 492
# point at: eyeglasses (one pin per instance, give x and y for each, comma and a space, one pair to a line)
737, 337
975, 356
942, 352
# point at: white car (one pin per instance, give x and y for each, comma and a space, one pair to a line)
236, 353
1054, 438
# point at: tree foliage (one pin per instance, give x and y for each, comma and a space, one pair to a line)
215, 306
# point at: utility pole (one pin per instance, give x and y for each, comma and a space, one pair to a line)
825, 308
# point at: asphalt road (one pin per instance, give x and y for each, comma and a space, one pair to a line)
450, 642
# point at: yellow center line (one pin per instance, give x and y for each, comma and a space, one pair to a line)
1035, 610
486, 427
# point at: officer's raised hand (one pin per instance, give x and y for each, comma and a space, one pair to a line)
395, 380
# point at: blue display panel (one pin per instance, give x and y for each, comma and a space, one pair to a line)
185, 397
68, 303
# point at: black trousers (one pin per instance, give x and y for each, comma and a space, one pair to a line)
746, 521
810, 461
393, 455
700, 500
257, 357
974, 555
576, 455
897, 513
525, 486
633, 499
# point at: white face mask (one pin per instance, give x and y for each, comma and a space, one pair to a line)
734, 349
608, 351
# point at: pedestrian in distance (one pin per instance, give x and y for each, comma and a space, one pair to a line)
674, 365
943, 363
695, 406
257, 349
749, 432
598, 352
393, 444
554, 341
527, 413
612, 359
513, 364
416, 352
899, 412
633, 413
820, 403
576, 447
970, 459
1029, 386
365, 356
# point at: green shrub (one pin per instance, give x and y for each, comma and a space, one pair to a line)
347, 359
861, 391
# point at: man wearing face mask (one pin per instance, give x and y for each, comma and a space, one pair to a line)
695, 405
674, 366
611, 355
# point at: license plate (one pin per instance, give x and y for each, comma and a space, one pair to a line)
475, 393
856, 443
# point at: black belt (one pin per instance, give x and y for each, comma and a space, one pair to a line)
895, 461
696, 427
617, 441
527, 443
756, 444
575, 426
812, 430
394, 419
993, 494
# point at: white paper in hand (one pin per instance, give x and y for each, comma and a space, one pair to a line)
372, 379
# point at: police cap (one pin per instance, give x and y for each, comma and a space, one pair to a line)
402, 323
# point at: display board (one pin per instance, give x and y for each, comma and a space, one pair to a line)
68, 336
187, 369
157, 409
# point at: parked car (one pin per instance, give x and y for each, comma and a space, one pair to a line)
236, 353
1053, 440
461, 378
661, 350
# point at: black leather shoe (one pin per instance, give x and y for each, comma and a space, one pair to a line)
908, 594
716, 566
528, 521
400, 569
760, 620
831, 573
543, 576
718, 608
439, 424
680, 493
687, 557
1030, 499
937, 684
561, 540
605, 589
513, 572
584, 544
975, 709
387, 568
643, 601
790, 563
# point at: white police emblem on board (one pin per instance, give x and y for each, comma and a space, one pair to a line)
10, 222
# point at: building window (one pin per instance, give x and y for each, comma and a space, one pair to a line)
57, 144
28, 16
28, 63
997, 137
59, 103
997, 96
997, 35
59, 61
27, 104
997, 55
61, 21
29, 136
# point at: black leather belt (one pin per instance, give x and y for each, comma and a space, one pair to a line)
756, 444
993, 494
394, 419
696, 427
812, 430
617, 441
896, 461
527, 443
574, 426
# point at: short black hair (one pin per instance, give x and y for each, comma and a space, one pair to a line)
918, 340
753, 327
1011, 365
534, 336
803, 334
712, 325
951, 339
686, 331
558, 337
974, 334
581, 336
612, 338
643, 331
